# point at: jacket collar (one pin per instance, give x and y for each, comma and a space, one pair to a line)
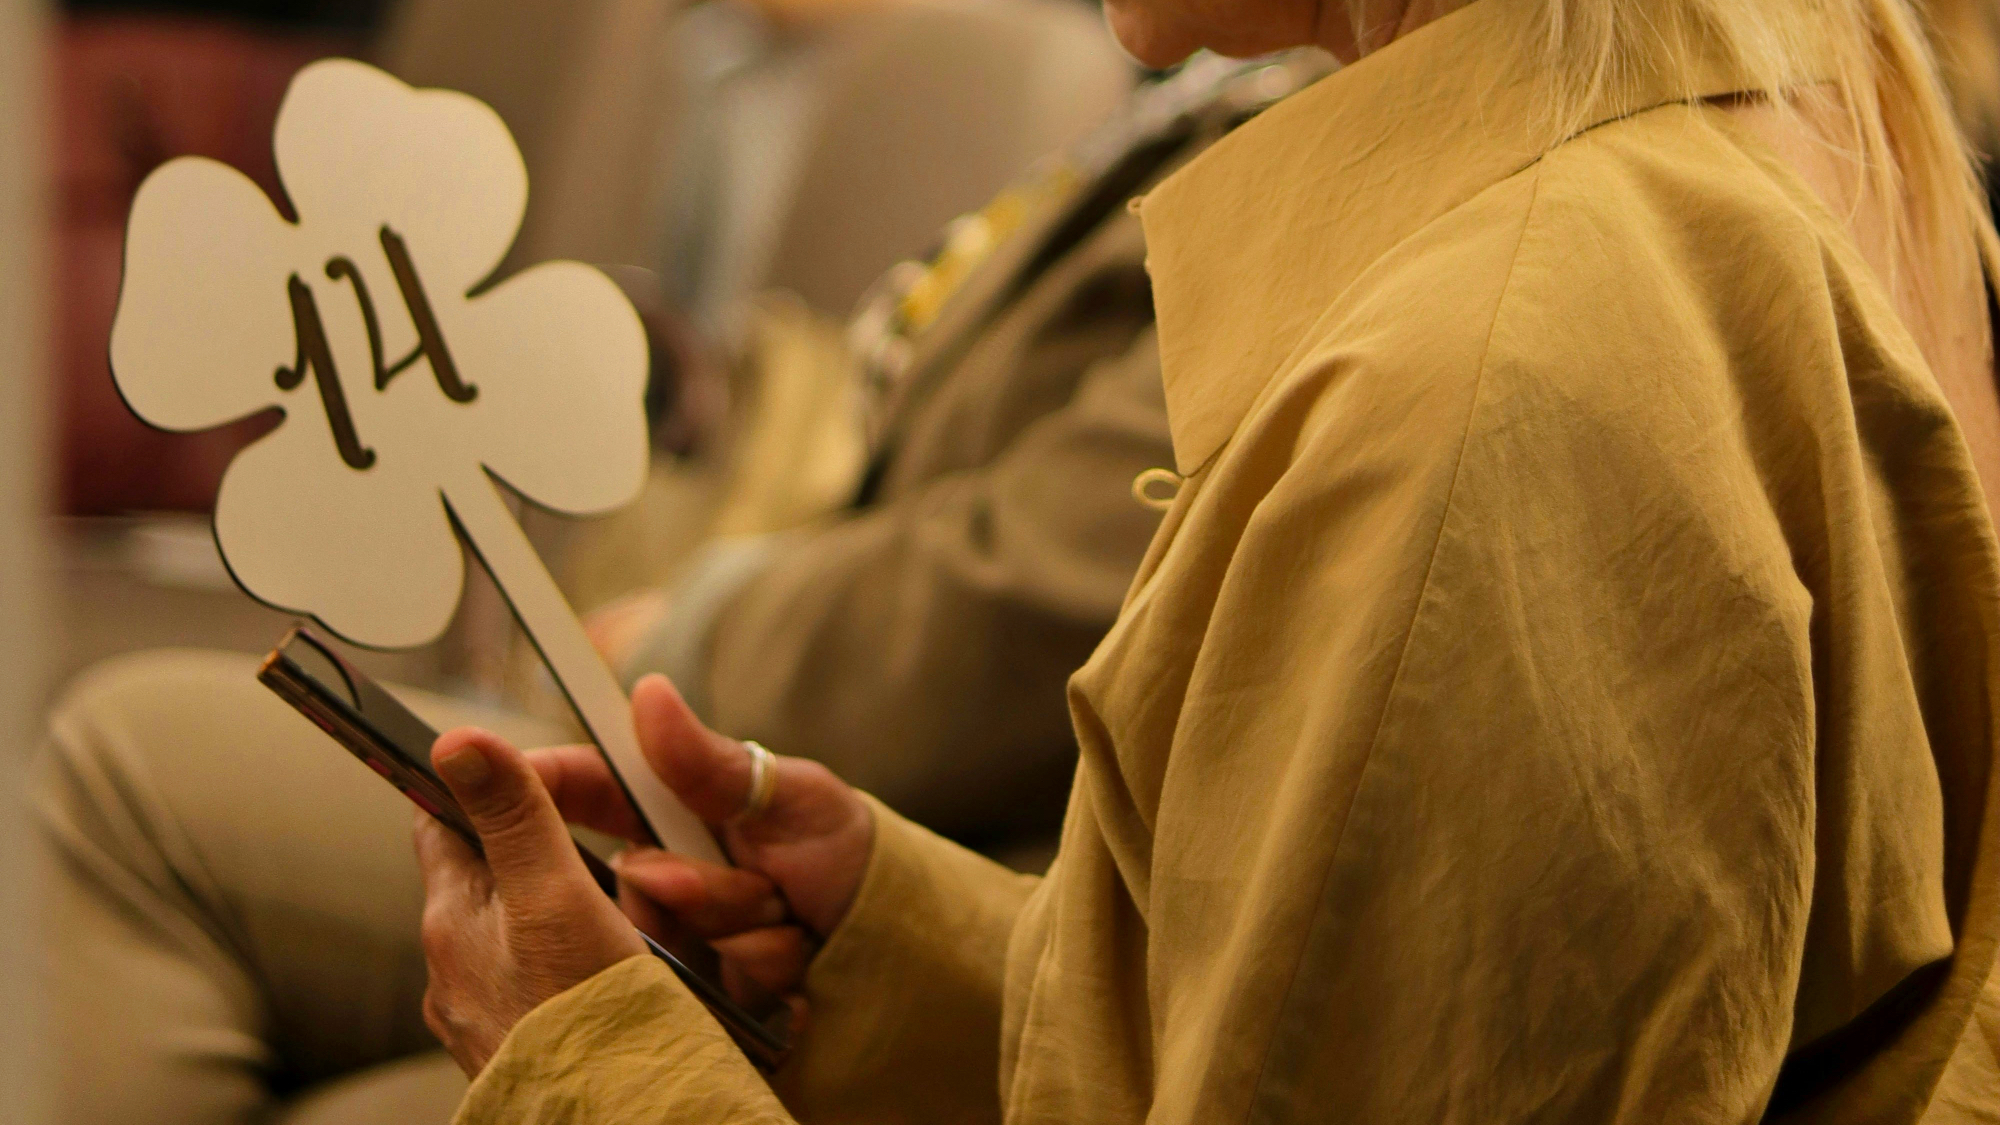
1251, 242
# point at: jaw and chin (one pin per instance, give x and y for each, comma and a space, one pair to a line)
1161, 33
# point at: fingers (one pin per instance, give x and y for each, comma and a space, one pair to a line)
774, 957
709, 773
710, 900
586, 792
525, 840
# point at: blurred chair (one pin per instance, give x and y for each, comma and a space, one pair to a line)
923, 111
131, 91
127, 92
588, 89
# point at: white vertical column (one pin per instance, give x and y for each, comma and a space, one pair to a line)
24, 278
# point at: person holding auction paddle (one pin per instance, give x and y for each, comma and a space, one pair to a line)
1563, 687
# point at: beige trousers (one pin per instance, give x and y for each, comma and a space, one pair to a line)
231, 908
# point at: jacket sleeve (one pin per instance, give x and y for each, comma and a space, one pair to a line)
905, 998
904, 1024
920, 647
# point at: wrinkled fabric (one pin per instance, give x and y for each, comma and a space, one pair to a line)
1562, 689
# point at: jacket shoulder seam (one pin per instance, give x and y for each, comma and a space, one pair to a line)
1260, 1106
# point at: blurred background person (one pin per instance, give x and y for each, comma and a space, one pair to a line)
749, 151
900, 538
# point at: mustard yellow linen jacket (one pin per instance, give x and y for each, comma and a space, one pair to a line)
1562, 690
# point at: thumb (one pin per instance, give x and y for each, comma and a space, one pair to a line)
708, 772
503, 796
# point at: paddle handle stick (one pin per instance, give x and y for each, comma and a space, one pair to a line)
495, 536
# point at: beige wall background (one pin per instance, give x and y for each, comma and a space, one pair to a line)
22, 589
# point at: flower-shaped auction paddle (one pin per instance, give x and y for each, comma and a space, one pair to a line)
412, 385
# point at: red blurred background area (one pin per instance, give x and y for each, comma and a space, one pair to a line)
131, 92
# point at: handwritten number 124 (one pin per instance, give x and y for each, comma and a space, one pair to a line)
314, 353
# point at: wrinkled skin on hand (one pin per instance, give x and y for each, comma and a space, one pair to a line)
505, 934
